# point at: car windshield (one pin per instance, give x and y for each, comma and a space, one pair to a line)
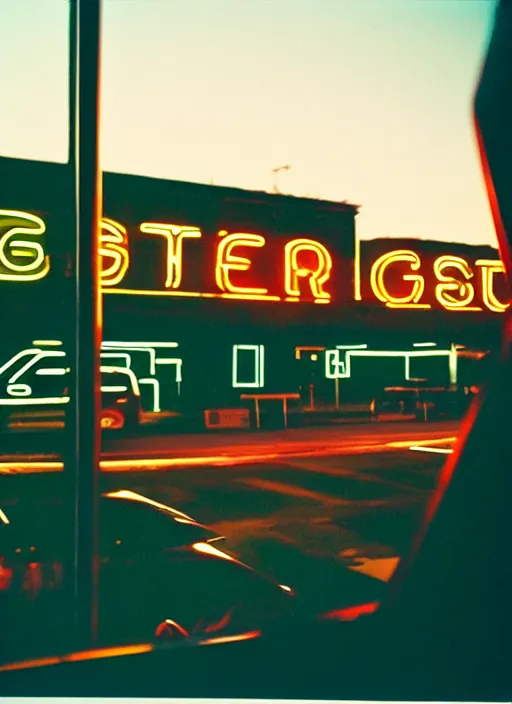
298, 297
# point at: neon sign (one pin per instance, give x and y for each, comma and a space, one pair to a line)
22, 257
490, 267
400, 278
378, 271
317, 277
455, 282
227, 261
174, 235
115, 357
113, 246
116, 260
464, 290
258, 380
337, 368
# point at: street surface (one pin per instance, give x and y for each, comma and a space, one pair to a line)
325, 511
330, 527
25, 452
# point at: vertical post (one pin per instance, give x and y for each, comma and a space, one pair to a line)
311, 397
285, 411
452, 362
73, 69
337, 392
84, 430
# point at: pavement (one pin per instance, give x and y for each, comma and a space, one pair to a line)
327, 511
333, 527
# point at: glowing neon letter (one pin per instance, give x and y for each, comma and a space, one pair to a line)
317, 277
174, 234
378, 270
226, 261
114, 246
490, 267
14, 223
465, 291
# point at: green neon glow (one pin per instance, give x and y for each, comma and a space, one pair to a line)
351, 347
19, 355
141, 344
107, 389
156, 393
19, 390
118, 351
177, 363
54, 343
124, 348
149, 350
259, 366
424, 344
452, 364
36, 358
30, 249
34, 401
127, 372
58, 371
332, 357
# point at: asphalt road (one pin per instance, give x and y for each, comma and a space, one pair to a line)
40, 452
331, 527
328, 512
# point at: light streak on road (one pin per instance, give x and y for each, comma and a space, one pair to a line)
418, 443
237, 455
434, 450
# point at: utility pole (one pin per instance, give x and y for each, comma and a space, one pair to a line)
83, 447
277, 170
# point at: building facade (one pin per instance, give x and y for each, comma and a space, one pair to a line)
219, 298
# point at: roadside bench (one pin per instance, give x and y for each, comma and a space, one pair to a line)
258, 398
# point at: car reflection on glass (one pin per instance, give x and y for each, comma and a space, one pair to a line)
162, 576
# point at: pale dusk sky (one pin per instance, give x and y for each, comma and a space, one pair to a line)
367, 100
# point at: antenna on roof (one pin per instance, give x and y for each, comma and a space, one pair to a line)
277, 170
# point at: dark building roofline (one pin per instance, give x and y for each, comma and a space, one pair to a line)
227, 192
427, 244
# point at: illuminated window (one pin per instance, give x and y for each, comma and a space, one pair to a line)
248, 366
